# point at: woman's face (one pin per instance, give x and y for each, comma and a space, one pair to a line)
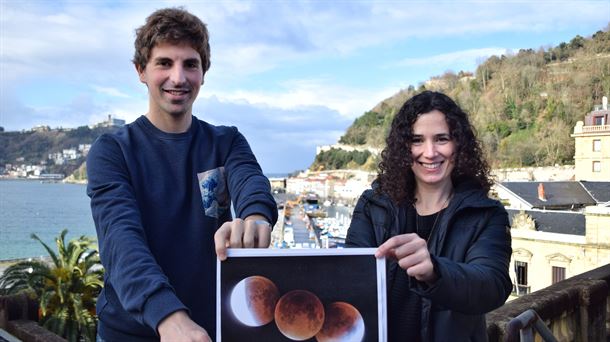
432, 150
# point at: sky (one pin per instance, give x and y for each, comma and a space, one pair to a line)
291, 75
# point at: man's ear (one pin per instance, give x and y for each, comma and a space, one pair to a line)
141, 73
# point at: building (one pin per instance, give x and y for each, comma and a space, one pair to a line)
278, 183
561, 195
592, 145
561, 229
550, 246
338, 184
111, 122
41, 128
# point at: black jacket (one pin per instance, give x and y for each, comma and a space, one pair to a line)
470, 249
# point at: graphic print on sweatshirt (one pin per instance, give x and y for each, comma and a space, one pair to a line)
214, 193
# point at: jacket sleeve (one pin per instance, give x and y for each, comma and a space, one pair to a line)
249, 188
142, 287
481, 283
361, 232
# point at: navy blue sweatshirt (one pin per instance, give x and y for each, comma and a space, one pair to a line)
157, 199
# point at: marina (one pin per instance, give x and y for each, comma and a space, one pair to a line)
304, 223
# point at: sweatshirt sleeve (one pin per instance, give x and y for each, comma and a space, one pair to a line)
141, 286
249, 188
481, 283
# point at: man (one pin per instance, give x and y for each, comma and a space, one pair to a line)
162, 186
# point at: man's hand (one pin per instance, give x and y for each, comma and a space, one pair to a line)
412, 255
242, 234
178, 326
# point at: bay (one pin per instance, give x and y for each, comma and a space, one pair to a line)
45, 209
28, 206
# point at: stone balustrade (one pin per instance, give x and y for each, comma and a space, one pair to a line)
575, 309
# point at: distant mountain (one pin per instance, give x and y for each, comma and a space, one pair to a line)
523, 105
33, 147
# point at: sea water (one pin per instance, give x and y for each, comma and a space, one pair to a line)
45, 209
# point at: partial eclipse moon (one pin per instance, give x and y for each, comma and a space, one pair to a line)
342, 323
253, 301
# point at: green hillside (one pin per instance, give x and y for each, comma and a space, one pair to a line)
33, 147
523, 105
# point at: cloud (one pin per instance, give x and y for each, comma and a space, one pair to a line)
349, 102
282, 139
294, 70
453, 58
110, 91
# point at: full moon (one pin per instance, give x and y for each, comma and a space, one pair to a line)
343, 322
253, 300
299, 315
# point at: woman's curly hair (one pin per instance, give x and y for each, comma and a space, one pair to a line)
396, 178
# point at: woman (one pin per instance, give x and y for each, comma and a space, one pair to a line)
447, 243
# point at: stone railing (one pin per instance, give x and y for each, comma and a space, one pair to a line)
595, 128
575, 309
18, 316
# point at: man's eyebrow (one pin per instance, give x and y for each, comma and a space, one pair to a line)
192, 60
162, 59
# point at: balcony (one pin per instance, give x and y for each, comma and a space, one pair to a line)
596, 129
574, 309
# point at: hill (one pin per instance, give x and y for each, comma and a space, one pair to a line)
34, 147
523, 105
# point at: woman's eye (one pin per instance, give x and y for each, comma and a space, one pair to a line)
443, 139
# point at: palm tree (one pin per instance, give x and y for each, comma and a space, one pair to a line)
66, 289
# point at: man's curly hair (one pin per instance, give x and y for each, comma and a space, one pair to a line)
396, 178
174, 26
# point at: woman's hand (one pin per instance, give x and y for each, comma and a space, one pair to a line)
412, 255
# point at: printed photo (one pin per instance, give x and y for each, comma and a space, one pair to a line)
301, 295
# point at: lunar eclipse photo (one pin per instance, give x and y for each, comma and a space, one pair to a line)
253, 300
299, 315
342, 323
301, 295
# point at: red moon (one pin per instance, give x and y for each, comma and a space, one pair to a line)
299, 315
343, 322
253, 300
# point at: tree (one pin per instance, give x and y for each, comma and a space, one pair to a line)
66, 289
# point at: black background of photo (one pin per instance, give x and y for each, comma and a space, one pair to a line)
333, 278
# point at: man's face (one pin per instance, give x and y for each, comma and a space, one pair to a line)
173, 76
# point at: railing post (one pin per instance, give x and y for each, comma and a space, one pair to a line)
525, 324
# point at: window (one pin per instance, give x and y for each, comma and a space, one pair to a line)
599, 120
559, 274
597, 166
521, 287
597, 145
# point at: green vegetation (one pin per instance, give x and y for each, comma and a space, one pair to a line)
523, 105
66, 290
33, 147
334, 159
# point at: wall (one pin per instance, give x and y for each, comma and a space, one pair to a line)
584, 154
577, 254
538, 174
